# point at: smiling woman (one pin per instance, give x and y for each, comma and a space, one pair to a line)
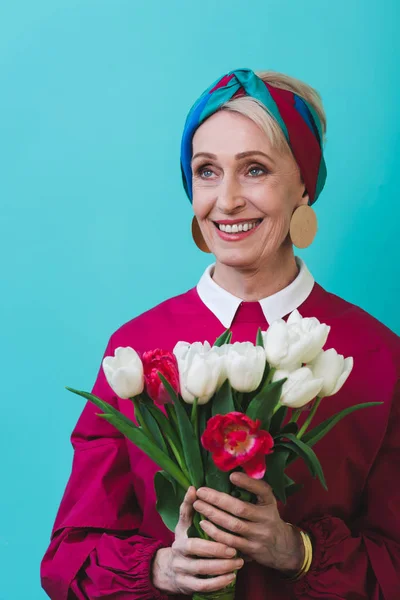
252, 166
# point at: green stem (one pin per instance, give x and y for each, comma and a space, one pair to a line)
140, 420
295, 415
178, 457
239, 399
277, 407
194, 418
270, 375
196, 522
309, 418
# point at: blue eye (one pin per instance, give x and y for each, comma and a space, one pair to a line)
203, 172
259, 169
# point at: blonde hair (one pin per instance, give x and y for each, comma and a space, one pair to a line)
257, 112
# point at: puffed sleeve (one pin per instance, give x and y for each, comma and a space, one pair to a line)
361, 560
94, 550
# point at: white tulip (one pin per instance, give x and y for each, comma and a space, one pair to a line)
201, 370
245, 365
312, 327
300, 387
289, 344
333, 368
124, 372
284, 346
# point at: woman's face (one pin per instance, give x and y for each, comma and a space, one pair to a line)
244, 191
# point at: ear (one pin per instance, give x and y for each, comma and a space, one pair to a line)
305, 199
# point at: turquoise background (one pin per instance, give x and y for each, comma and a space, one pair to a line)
95, 225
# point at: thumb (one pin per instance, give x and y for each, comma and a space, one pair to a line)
186, 512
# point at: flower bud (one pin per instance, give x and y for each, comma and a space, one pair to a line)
201, 370
300, 387
245, 365
333, 368
124, 372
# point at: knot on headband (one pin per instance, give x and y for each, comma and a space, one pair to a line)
297, 119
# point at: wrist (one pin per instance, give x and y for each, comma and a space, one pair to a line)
295, 557
159, 571
307, 556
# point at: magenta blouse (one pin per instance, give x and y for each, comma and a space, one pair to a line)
107, 529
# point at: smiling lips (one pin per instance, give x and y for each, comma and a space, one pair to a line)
234, 231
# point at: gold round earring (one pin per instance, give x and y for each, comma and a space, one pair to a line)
198, 237
303, 226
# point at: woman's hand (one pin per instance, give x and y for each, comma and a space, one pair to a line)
176, 570
255, 529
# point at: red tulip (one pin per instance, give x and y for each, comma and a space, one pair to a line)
162, 361
236, 440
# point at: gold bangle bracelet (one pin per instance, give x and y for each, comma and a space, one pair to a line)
308, 555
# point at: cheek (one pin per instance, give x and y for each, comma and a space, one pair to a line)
203, 203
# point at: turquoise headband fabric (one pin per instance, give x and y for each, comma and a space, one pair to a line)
296, 117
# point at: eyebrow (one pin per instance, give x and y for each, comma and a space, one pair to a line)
237, 156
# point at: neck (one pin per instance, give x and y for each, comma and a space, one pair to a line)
253, 284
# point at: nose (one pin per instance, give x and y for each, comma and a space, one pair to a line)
230, 196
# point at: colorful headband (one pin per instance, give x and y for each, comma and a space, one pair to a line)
297, 118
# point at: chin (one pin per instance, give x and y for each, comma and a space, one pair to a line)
236, 258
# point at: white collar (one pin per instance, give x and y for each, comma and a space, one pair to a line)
224, 304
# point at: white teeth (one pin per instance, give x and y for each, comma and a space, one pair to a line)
238, 228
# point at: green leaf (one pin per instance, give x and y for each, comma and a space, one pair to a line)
314, 435
222, 403
204, 414
238, 399
277, 420
306, 453
263, 404
259, 339
169, 498
275, 473
190, 443
153, 427
172, 417
140, 439
105, 406
135, 435
290, 428
165, 425
263, 381
225, 338
215, 478
293, 488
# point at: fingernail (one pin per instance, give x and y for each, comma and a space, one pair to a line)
232, 576
239, 563
230, 552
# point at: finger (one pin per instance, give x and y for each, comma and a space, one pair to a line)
260, 488
186, 512
226, 520
203, 566
203, 548
243, 510
195, 584
224, 537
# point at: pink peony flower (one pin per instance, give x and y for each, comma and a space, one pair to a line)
162, 361
236, 440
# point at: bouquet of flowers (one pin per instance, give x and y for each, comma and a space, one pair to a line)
202, 411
